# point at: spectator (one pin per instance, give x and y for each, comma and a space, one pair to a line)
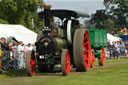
10, 49
14, 47
20, 52
4, 48
109, 47
117, 46
113, 49
29, 47
14, 55
126, 46
122, 48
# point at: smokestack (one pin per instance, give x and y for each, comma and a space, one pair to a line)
47, 15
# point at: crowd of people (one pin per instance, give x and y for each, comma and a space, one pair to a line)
13, 53
118, 49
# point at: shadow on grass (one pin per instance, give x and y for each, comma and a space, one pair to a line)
15, 73
55, 72
23, 73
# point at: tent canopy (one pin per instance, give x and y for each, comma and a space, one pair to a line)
112, 38
19, 32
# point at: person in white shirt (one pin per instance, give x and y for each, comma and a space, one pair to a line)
20, 53
117, 46
29, 47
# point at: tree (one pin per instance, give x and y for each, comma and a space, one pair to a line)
109, 24
102, 20
22, 12
3, 21
98, 18
88, 24
114, 17
119, 9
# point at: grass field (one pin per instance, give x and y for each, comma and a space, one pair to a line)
115, 72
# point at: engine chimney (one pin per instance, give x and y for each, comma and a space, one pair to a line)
47, 19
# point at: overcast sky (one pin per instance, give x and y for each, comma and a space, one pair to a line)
89, 6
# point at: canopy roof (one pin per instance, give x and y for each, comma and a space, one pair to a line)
19, 32
63, 13
112, 38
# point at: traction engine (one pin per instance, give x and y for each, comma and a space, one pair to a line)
68, 44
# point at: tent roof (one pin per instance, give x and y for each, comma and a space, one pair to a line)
112, 38
20, 33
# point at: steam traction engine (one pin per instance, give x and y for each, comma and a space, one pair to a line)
68, 44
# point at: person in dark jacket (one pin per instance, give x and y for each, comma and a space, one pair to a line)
113, 49
4, 45
109, 47
4, 48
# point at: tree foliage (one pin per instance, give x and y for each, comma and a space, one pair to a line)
22, 12
114, 17
118, 8
101, 20
3, 21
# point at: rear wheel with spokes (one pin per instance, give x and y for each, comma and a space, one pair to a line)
82, 50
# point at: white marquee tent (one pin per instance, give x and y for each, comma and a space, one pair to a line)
25, 35
112, 38
19, 32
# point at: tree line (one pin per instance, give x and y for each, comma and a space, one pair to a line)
113, 17
22, 12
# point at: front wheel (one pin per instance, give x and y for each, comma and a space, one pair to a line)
30, 63
102, 59
65, 62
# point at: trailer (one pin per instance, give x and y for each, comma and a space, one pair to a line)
68, 44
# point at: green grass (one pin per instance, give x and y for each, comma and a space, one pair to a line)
115, 72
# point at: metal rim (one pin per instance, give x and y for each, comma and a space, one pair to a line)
87, 50
93, 60
103, 56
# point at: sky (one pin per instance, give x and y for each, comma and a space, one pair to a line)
88, 6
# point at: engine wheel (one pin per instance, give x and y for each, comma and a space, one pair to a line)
30, 63
65, 62
82, 50
93, 60
102, 59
